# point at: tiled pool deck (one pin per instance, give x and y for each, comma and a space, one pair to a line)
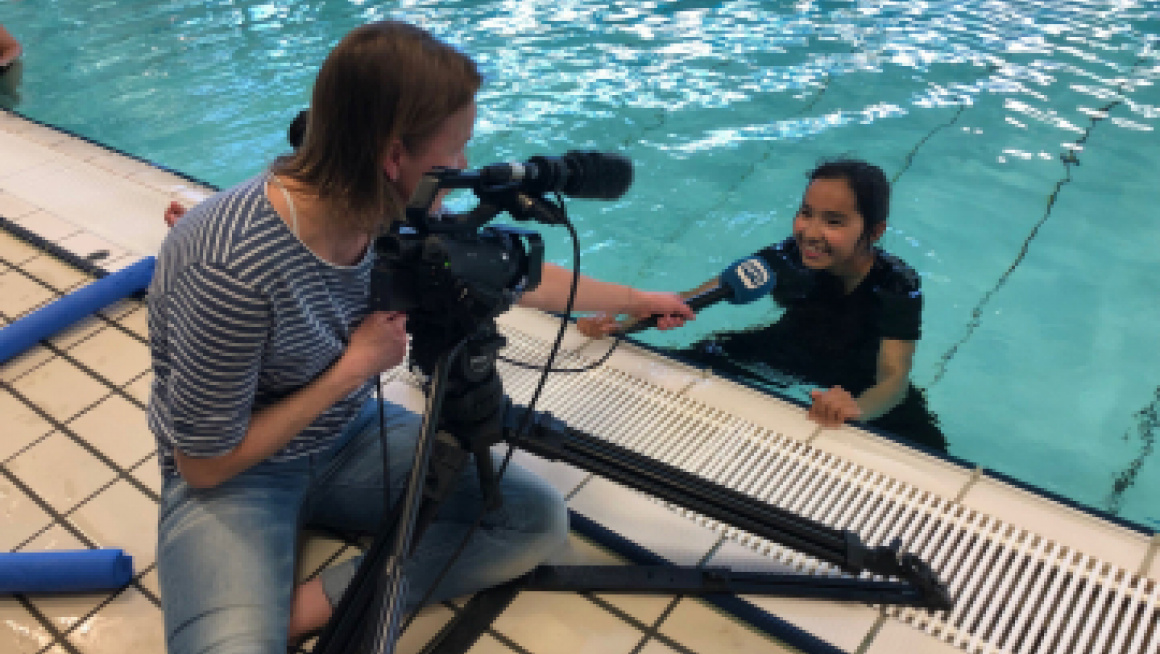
77, 464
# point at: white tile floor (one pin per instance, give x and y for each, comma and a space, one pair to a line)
77, 468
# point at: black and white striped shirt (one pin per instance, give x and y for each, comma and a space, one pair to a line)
242, 314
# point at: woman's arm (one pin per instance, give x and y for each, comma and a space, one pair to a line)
607, 323
595, 295
269, 430
378, 344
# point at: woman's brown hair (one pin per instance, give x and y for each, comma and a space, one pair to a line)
384, 81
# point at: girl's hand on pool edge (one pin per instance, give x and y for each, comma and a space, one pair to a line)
833, 407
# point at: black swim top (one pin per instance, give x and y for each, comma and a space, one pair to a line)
826, 336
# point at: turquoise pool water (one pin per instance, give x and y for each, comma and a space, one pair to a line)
1021, 137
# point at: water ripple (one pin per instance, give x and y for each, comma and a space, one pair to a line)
721, 106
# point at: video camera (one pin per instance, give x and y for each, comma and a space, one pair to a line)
450, 273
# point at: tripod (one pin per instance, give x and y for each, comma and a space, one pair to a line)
467, 412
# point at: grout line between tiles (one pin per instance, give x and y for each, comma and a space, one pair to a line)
653, 631
650, 632
868, 639
65, 430
29, 446
329, 561
18, 268
142, 461
58, 637
74, 509
579, 487
113, 322
511, 644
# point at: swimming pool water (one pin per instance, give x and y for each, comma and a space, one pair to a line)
1021, 138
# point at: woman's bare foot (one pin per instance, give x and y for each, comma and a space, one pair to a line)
310, 611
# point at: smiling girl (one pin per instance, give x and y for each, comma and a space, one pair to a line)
853, 312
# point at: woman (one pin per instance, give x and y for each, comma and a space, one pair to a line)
264, 360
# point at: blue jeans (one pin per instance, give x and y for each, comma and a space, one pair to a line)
226, 555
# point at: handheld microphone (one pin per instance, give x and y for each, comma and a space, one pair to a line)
742, 282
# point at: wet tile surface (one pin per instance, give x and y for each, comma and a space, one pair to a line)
566, 623
44, 386
22, 425
61, 472
20, 632
22, 517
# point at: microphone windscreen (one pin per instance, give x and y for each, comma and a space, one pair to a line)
748, 279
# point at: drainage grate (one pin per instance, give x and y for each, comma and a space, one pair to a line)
1015, 591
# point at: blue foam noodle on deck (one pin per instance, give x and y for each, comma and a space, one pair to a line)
64, 571
52, 318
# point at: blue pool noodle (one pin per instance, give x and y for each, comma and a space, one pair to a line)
64, 571
50, 319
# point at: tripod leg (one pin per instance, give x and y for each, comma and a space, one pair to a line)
476, 617
367, 594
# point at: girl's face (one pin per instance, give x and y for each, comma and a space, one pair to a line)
830, 232
445, 148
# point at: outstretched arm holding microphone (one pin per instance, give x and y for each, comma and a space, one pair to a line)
744, 281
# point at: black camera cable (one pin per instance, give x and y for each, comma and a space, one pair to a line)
546, 368
592, 366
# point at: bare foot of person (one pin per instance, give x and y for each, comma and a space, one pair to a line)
173, 213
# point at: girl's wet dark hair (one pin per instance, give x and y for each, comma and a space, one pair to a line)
869, 183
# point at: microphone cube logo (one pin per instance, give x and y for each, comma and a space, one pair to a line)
753, 273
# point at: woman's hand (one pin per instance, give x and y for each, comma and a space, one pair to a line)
833, 407
670, 309
378, 344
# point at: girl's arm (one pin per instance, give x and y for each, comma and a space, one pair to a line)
895, 359
835, 406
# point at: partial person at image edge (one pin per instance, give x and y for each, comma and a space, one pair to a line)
11, 69
10, 49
